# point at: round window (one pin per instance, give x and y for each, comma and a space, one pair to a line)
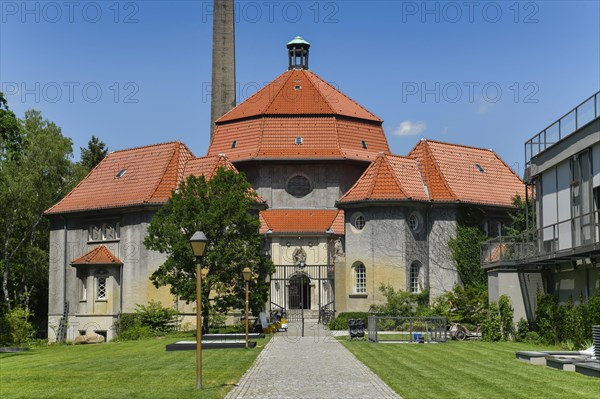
413, 222
359, 222
298, 186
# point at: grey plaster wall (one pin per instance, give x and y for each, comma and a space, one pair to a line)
127, 286
329, 181
387, 246
443, 275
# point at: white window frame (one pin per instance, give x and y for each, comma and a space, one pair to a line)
360, 278
413, 277
99, 296
83, 289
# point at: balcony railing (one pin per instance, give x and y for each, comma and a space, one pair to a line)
553, 240
579, 116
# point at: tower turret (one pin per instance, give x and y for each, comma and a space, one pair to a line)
298, 53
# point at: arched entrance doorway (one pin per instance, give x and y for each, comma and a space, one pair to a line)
299, 292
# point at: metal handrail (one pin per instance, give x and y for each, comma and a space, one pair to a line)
584, 230
542, 140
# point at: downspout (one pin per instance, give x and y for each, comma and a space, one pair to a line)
65, 264
65, 261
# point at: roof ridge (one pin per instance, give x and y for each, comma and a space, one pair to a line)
250, 98
374, 165
164, 172
289, 73
425, 143
343, 94
147, 146
505, 164
394, 176
425, 188
314, 84
260, 137
457, 145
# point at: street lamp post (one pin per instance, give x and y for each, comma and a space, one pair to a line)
247, 273
302, 264
198, 243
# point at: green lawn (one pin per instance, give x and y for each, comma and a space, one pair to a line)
135, 369
469, 370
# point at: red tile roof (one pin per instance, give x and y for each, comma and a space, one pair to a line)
388, 178
315, 221
207, 166
97, 256
451, 173
266, 125
150, 174
298, 92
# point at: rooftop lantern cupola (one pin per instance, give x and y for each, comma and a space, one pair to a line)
298, 53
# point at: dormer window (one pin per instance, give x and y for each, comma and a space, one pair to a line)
297, 87
234, 144
298, 140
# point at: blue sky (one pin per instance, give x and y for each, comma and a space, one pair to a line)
487, 73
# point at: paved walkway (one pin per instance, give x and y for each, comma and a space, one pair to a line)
313, 366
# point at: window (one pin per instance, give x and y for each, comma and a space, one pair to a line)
101, 288
104, 231
298, 186
359, 222
360, 279
83, 289
234, 144
413, 282
298, 140
120, 174
414, 222
363, 143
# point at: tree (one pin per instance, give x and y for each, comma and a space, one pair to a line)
518, 216
221, 208
94, 153
30, 183
11, 137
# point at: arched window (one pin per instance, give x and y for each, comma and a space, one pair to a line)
360, 279
413, 282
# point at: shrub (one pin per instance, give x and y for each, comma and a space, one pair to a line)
593, 311
15, 328
506, 317
469, 305
341, 321
137, 332
522, 330
532, 338
545, 318
127, 321
157, 317
490, 328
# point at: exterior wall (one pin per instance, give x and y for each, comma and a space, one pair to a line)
575, 281
380, 247
521, 288
443, 275
317, 268
387, 246
329, 181
126, 285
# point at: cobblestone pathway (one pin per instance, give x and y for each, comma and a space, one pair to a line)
313, 366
